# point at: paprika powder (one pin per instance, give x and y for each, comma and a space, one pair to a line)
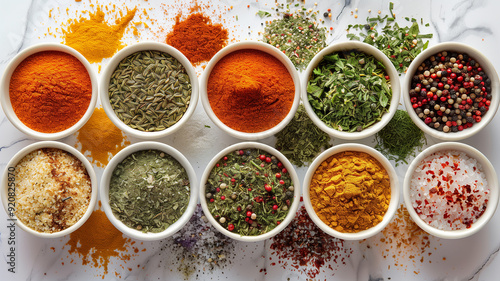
50, 91
250, 91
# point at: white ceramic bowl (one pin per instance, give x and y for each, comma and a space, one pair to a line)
393, 204
286, 164
147, 46
488, 68
491, 177
106, 178
5, 98
390, 69
7, 176
275, 52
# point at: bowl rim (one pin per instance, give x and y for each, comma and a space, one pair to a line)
491, 177
395, 192
286, 163
193, 195
147, 46
485, 64
254, 45
5, 96
49, 144
390, 69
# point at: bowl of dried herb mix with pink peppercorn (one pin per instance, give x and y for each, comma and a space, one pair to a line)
249, 191
350, 90
148, 191
149, 90
451, 91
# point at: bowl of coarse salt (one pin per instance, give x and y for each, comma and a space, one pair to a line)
451, 190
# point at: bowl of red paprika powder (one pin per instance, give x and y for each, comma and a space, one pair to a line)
149, 90
48, 91
251, 90
451, 91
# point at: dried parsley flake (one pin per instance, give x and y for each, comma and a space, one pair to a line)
149, 191
301, 141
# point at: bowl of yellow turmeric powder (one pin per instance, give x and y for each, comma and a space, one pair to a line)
351, 191
48, 91
149, 90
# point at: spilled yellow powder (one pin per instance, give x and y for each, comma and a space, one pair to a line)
100, 139
94, 38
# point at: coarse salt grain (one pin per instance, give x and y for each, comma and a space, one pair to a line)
449, 190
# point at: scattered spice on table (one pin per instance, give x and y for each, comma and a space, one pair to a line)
450, 91
301, 141
197, 37
93, 37
198, 247
97, 241
100, 139
53, 190
250, 91
50, 91
296, 34
249, 192
449, 190
400, 138
150, 91
350, 191
349, 91
305, 247
149, 191
400, 44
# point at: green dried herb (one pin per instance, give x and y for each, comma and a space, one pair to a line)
249, 192
149, 191
349, 91
301, 141
296, 34
399, 138
400, 44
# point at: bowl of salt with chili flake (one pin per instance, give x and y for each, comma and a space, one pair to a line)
149, 191
48, 91
350, 90
149, 90
249, 192
451, 190
250, 90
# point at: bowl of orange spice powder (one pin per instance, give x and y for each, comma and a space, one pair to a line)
351, 191
251, 90
48, 91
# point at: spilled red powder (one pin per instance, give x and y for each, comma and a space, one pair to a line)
197, 38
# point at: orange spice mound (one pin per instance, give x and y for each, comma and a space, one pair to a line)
197, 38
98, 240
94, 38
100, 138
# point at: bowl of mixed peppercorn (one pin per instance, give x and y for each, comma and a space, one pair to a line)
350, 90
249, 192
451, 91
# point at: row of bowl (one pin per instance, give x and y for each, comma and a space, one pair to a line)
419, 101
283, 195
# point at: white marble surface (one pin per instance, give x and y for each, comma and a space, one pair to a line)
24, 23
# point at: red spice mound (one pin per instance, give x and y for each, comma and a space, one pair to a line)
306, 247
250, 91
50, 91
197, 38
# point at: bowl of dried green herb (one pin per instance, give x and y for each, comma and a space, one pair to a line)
249, 191
149, 191
149, 90
350, 90
451, 91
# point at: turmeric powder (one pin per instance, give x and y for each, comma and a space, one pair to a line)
350, 191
